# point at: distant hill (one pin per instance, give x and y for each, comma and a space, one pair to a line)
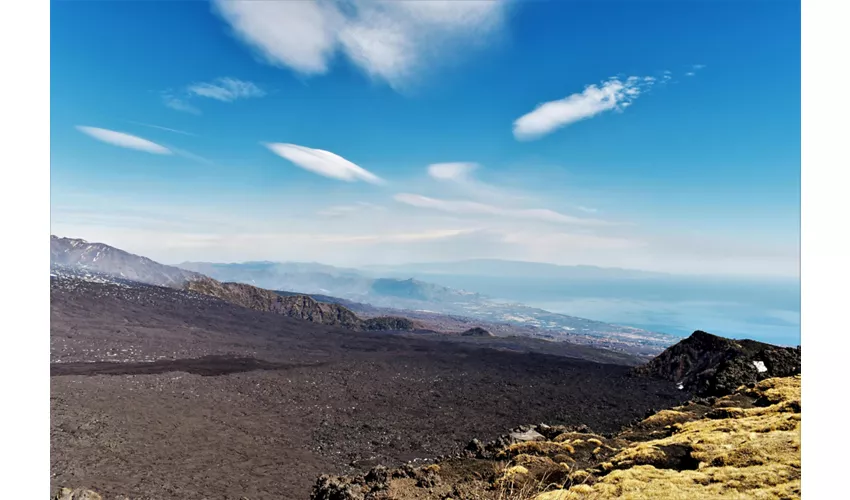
508, 269
102, 258
476, 332
303, 277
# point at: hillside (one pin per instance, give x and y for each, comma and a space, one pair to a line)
103, 263
168, 394
102, 258
389, 414
745, 445
710, 365
295, 306
258, 299
741, 443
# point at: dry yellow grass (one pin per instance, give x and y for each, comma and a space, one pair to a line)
575, 436
539, 448
753, 453
669, 417
534, 461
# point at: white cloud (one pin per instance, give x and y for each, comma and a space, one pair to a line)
342, 210
451, 171
226, 89
123, 140
474, 208
614, 94
698, 66
389, 40
179, 104
323, 163
690, 73
394, 237
588, 210
300, 35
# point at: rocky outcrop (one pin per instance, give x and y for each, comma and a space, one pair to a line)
709, 365
476, 332
385, 323
300, 307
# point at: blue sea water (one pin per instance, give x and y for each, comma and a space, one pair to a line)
761, 309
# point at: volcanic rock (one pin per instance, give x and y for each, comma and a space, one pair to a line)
476, 332
708, 365
295, 306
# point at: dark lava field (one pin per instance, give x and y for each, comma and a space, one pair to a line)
165, 394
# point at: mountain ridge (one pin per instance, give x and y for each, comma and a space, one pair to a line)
104, 260
107, 259
415, 303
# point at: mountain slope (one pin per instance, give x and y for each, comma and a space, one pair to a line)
743, 444
102, 258
76, 258
710, 365
420, 297
294, 306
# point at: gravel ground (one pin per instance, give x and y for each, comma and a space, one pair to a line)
302, 400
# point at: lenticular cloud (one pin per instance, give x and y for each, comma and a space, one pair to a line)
123, 140
323, 163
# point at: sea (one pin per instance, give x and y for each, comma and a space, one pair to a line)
767, 310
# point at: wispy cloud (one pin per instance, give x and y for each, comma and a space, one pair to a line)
395, 237
588, 210
178, 103
123, 140
460, 178
323, 163
390, 41
226, 89
191, 156
474, 208
164, 128
456, 171
694, 68
343, 210
614, 94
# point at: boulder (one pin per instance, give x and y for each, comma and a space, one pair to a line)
529, 435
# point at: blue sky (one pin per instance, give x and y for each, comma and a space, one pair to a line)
643, 134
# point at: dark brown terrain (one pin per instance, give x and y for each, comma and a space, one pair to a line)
275, 401
709, 365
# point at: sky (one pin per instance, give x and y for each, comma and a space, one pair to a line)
653, 135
